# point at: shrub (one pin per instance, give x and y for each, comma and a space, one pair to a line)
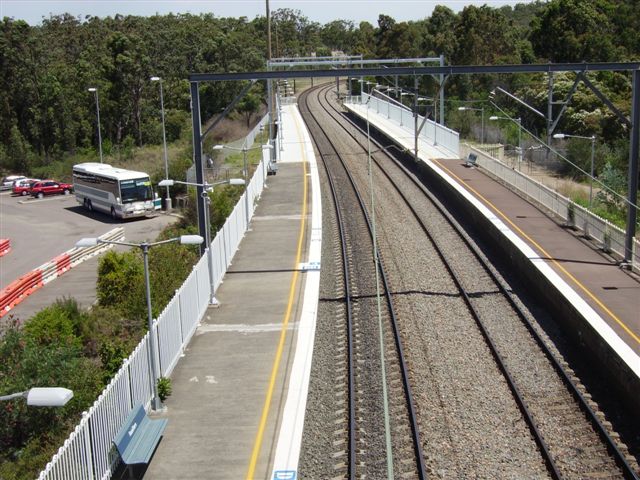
164, 388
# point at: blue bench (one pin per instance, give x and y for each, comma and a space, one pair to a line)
472, 160
138, 437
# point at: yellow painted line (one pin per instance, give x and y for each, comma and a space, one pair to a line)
257, 444
548, 257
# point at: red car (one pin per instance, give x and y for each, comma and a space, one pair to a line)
49, 187
23, 187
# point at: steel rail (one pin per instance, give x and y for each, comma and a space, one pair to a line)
421, 467
564, 375
349, 310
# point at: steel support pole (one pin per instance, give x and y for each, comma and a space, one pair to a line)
197, 158
415, 118
99, 132
166, 156
593, 154
442, 92
246, 185
207, 241
632, 212
153, 351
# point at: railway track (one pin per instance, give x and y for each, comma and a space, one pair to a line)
380, 414
543, 423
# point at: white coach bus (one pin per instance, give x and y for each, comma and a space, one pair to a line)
118, 192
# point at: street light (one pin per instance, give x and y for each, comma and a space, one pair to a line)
561, 136
465, 109
95, 91
145, 246
245, 171
519, 122
164, 142
43, 396
205, 196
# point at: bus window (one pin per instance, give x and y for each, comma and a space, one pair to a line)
135, 190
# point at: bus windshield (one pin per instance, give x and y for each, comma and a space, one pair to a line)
137, 190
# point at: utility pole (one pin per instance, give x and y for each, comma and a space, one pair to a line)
269, 81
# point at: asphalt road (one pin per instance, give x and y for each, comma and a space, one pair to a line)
40, 230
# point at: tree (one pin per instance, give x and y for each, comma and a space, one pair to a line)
574, 31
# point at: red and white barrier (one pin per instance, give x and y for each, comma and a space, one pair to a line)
24, 286
5, 246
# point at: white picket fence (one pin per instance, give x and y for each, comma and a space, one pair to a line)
88, 452
432, 132
609, 236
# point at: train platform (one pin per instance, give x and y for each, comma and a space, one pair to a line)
606, 296
239, 392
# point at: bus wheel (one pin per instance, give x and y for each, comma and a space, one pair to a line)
113, 213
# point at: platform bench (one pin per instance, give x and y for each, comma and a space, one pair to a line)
138, 437
472, 160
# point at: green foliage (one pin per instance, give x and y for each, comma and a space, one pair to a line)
112, 353
616, 181
164, 388
58, 323
28, 436
121, 283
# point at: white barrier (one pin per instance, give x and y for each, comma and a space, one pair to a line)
88, 452
609, 236
432, 132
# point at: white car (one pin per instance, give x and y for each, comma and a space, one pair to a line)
7, 182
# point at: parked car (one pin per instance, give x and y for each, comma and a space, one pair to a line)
23, 186
50, 187
7, 182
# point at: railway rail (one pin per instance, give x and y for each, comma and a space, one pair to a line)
554, 428
369, 342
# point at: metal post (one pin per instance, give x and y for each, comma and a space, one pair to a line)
632, 213
152, 338
482, 125
593, 152
550, 113
95, 91
519, 142
246, 185
164, 142
207, 241
415, 118
441, 92
197, 159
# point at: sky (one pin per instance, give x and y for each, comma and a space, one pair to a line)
322, 11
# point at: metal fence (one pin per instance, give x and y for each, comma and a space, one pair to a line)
88, 453
432, 132
609, 237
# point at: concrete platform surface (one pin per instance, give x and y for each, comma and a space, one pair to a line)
232, 387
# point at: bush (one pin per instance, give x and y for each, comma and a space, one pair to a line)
121, 283
164, 388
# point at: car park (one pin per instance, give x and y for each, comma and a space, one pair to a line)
23, 186
50, 187
7, 182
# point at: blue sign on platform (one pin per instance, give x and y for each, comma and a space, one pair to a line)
284, 475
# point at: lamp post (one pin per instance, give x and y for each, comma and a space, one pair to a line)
164, 142
145, 246
245, 171
519, 122
481, 110
43, 396
95, 92
562, 136
205, 196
